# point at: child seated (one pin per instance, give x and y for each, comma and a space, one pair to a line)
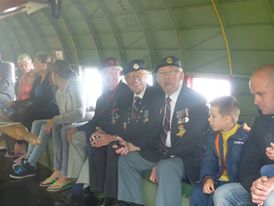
268, 170
223, 152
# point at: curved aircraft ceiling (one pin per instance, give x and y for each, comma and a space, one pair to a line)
210, 36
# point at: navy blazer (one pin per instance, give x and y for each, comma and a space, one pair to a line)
144, 133
189, 131
106, 112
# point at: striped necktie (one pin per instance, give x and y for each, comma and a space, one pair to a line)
136, 108
166, 122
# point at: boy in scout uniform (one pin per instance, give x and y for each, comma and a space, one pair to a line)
183, 133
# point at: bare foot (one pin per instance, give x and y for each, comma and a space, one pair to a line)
32, 139
56, 174
19, 132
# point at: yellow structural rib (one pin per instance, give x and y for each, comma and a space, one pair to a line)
224, 36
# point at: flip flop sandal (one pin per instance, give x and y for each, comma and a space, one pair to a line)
49, 181
59, 186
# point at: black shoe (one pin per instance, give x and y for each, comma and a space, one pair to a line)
66, 200
123, 203
109, 202
89, 198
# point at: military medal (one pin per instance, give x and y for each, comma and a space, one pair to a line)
186, 119
180, 124
125, 126
181, 130
114, 115
182, 118
146, 116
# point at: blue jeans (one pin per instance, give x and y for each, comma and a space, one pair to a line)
231, 194
267, 170
199, 198
34, 152
270, 199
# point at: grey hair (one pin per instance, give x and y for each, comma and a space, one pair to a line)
22, 57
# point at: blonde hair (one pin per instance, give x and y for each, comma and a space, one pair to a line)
228, 105
23, 57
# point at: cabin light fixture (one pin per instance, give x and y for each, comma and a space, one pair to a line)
55, 8
12, 9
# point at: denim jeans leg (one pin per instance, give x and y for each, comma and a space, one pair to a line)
270, 199
199, 198
35, 129
231, 194
38, 149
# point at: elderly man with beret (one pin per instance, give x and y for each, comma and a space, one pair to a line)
100, 133
139, 113
181, 139
136, 114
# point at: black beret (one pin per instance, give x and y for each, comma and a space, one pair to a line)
135, 65
168, 61
110, 62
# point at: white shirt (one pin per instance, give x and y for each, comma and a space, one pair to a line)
173, 101
141, 95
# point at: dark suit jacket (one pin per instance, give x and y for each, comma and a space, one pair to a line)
144, 133
188, 139
106, 112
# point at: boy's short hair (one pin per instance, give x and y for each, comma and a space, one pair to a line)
228, 105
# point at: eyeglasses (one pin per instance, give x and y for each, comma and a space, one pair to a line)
168, 73
138, 76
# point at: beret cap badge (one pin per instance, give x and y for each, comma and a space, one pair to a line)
169, 60
136, 66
